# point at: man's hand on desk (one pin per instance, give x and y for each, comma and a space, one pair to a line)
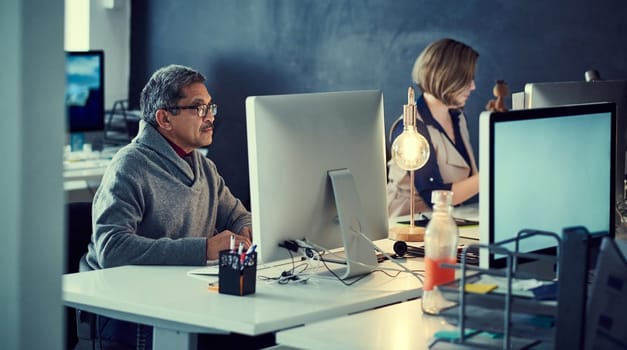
222, 241
247, 231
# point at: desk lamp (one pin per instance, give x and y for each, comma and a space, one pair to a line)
410, 151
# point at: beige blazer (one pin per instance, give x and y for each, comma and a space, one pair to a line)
451, 164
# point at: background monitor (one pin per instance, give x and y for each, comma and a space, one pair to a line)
549, 94
545, 169
84, 96
293, 141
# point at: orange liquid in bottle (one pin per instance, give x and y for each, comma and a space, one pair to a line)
436, 275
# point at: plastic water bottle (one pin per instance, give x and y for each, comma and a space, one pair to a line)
441, 236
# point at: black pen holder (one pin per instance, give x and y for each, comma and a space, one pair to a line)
238, 276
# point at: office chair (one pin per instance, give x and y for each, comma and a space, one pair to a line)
80, 324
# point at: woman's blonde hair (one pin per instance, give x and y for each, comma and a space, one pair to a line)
444, 68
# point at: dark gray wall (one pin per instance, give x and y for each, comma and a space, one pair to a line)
259, 47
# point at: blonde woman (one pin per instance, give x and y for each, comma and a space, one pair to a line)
444, 72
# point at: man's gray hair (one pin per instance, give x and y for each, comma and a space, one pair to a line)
164, 89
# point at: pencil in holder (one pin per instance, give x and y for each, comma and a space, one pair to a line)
238, 273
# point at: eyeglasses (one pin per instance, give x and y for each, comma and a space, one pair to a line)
200, 109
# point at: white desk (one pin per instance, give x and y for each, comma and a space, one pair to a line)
400, 326
178, 306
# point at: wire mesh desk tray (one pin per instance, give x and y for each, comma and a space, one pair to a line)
504, 317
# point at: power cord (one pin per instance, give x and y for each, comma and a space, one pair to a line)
287, 277
311, 252
290, 275
353, 281
322, 251
405, 269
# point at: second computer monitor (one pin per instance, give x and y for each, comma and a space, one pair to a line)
293, 142
545, 169
84, 96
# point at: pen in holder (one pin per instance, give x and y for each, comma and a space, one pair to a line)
238, 273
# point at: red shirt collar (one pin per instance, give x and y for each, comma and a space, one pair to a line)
177, 149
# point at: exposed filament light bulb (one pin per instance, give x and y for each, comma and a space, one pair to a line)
410, 150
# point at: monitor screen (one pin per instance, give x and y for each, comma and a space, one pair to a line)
545, 169
550, 94
293, 141
84, 96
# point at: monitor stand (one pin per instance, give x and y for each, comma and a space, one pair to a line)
360, 256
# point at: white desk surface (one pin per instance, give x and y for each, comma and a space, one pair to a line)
400, 326
172, 301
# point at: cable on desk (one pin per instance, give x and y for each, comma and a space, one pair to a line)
414, 273
290, 275
316, 252
418, 276
353, 281
312, 254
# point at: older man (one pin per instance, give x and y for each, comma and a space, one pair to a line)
161, 201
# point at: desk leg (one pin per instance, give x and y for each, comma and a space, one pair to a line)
169, 339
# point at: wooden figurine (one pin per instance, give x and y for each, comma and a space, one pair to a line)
500, 90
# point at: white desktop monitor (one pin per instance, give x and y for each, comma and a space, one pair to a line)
550, 94
293, 141
545, 169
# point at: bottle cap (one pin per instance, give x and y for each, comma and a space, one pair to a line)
440, 196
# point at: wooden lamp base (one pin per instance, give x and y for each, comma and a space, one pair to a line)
407, 233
